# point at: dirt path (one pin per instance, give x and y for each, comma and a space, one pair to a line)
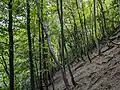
102, 74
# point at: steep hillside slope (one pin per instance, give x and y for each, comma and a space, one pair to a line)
102, 74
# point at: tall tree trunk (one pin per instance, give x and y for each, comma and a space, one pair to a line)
86, 35
82, 28
69, 69
76, 37
40, 60
43, 49
47, 37
30, 48
40, 50
62, 47
45, 74
104, 20
95, 28
60, 14
35, 64
92, 28
11, 49
119, 12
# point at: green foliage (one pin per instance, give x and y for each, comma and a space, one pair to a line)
51, 20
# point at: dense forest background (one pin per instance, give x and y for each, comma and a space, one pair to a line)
40, 37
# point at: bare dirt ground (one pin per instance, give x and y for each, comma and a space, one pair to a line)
102, 74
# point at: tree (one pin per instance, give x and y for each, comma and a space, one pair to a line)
104, 20
60, 14
11, 48
70, 30
30, 48
95, 28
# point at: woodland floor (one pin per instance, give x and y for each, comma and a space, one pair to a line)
102, 74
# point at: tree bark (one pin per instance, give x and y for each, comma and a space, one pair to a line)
62, 47
30, 48
11, 47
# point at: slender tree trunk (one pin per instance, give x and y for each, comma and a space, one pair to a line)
92, 28
47, 36
11, 49
35, 64
104, 20
94, 1
60, 14
30, 48
119, 12
82, 27
80, 19
86, 35
40, 50
51, 80
76, 37
95, 28
40, 60
69, 69
45, 74
62, 47
41, 88
43, 49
